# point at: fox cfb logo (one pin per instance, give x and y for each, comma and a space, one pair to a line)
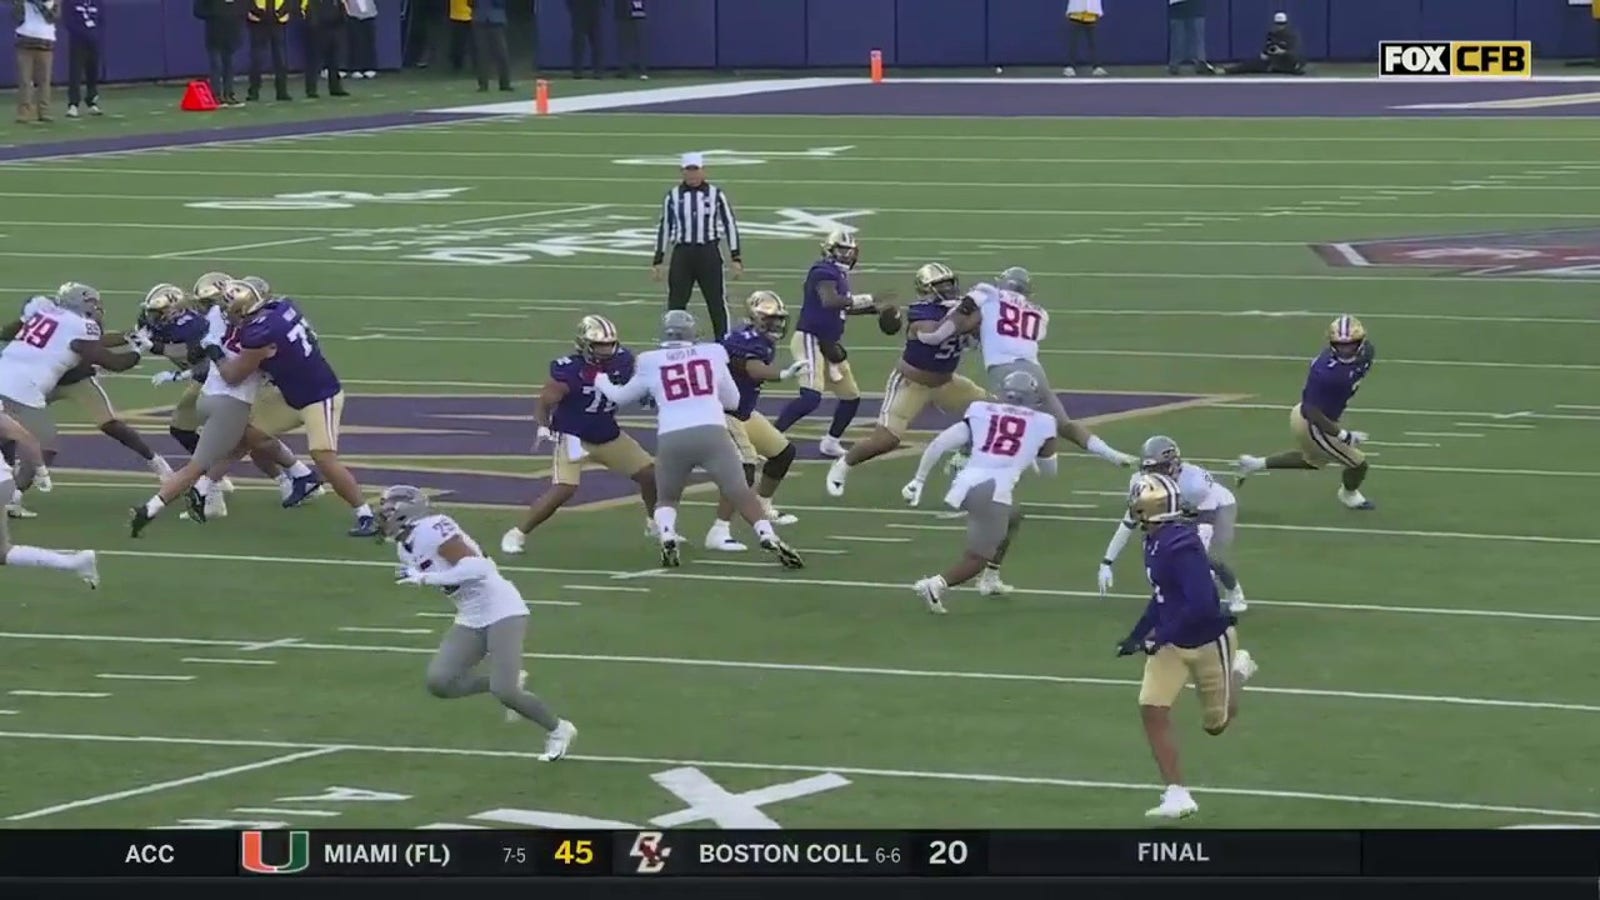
1456, 59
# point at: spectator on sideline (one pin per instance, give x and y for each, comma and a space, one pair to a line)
85, 24
585, 32
266, 21
1186, 36
362, 54
533, 21
1083, 16
461, 34
222, 18
489, 35
325, 20
1280, 53
36, 53
630, 38
419, 21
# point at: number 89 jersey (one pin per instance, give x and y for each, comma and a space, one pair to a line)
1005, 442
1011, 326
35, 360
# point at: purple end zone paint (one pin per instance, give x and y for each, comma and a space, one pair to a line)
1224, 97
466, 426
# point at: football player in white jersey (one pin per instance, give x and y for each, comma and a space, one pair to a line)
692, 389
57, 336
1215, 505
491, 616
29, 458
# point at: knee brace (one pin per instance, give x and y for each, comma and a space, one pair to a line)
778, 466
750, 474
187, 439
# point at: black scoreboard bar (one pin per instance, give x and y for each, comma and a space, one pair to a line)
664, 854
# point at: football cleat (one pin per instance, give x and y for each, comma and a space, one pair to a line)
837, 473
1175, 804
990, 585
775, 516
302, 489
557, 742
830, 446
196, 502
1235, 599
216, 504
720, 539
787, 557
670, 556
139, 521
41, 480
1244, 665
513, 541
1354, 500
651, 529
366, 526
226, 485
15, 509
931, 590
1246, 466
88, 568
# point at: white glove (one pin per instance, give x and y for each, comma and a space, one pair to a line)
600, 379
1105, 579
795, 370
407, 575
861, 301
1126, 460
167, 377
912, 492
544, 434
139, 339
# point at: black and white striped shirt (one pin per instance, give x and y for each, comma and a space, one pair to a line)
696, 215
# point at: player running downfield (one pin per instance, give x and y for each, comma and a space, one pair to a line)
693, 389
752, 351
1335, 376
29, 458
1185, 634
581, 423
1216, 508
926, 373
491, 616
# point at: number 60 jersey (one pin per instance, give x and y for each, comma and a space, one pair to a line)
1005, 442
690, 384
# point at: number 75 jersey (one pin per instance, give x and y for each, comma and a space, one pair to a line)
1005, 442
1011, 325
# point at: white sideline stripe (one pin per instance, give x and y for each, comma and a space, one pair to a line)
1576, 406
286, 813
80, 695
1362, 531
229, 662
9, 712
1381, 411
909, 774
1488, 425
212, 775
875, 671
539, 133
602, 588
1444, 434
868, 539
118, 676
679, 574
357, 629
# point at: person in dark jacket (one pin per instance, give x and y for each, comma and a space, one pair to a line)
325, 20
266, 21
630, 38
1280, 53
585, 32
84, 26
223, 20
1186, 36
489, 34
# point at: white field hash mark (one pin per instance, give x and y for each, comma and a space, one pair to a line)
907, 774
862, 671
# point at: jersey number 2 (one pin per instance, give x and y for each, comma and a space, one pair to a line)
1005, 435
37, 331
691, 379
1016, 322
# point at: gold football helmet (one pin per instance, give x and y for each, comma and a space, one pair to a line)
597, 338
937, 280
1154, 499
767, 313
241, 300
841, 247
208, 288
1348, 338
163, 302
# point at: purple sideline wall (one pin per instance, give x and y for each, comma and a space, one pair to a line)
160, 39
151, 40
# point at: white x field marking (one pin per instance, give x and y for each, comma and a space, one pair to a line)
902, 774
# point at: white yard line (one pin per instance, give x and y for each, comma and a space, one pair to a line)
75, 695
1398, 444
1444, 434
356, 629
879, 671
869, 539
117, 676
1507, 425
604, 589
229, 662
212, 775
1281, 408
906, 774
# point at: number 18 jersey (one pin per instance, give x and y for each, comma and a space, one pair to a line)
1011, 327
690, 383
34, 361
1005, 442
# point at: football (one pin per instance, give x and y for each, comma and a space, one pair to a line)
890, 320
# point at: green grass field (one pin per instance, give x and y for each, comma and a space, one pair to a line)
1427, 664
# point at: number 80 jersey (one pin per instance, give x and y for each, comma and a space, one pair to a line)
1011, 326
1005, 442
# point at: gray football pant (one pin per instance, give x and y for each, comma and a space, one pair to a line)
224, 420
704, 447
450, 673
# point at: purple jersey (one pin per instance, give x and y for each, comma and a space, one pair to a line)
584, 412
816, 319
298, 368
187, 327
1184, 608
745, 344
943, 358
1332, 382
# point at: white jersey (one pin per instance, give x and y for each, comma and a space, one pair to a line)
1197, 488
216, 326
216, 385
1012, 325
32, 364
690, 384
1005, 442
480, 603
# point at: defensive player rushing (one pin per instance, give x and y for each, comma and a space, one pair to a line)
1332, 382
1215, 506
693, 389
29, 458
819, 340
1184, 633
752, 349
926, 373
582, 422
58, 336
491, 616
80, 385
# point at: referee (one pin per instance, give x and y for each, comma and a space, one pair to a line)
695, 218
